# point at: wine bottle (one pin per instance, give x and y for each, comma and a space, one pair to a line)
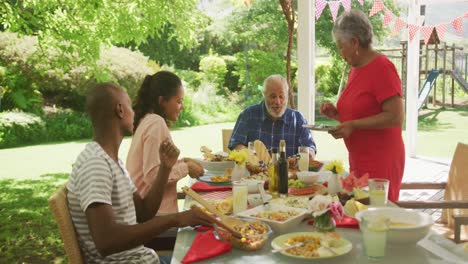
282, 170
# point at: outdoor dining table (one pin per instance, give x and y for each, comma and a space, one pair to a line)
413, 254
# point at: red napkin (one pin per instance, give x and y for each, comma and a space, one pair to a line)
205, 187
205, 246
345, 222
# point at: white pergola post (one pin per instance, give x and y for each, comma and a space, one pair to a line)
306, 59
412, 81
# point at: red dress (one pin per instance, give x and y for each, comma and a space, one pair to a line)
379, 152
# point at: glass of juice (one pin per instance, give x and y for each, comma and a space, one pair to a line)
304, 158
378, 191
239, 196
374, 235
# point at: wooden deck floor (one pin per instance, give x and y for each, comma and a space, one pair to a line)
422, 169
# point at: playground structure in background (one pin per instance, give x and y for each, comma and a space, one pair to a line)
436, 60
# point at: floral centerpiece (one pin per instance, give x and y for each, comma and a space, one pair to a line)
334, 182
324, 209
240, 157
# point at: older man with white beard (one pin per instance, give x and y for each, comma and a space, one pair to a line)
271, 121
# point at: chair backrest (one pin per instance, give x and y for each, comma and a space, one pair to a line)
58, 204
226, 133
457, 185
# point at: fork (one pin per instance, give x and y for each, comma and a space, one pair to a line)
288, 247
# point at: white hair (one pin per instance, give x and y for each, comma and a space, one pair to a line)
353, 24
275, 77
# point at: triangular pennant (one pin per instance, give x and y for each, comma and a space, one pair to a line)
361, 2
441, 30
377, 7
319, 6
427, 32
466, 15
346, 5
399, 24
457, 24
388, 17
412, 30
334, 6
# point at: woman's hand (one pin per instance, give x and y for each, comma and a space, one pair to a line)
195, 169
168, 153
329, 110
343, 130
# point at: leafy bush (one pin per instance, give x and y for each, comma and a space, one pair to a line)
192, 79
18, 128
122, 66
231, 80
215, 70
328, 77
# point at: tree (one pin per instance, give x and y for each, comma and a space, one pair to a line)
78, 29
288, 9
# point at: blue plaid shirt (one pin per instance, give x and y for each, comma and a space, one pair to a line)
253, 123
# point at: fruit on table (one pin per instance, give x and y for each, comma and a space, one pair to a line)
360, 194
352, 207
296, 183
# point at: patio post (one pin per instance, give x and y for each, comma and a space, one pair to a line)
306, 59
412, 81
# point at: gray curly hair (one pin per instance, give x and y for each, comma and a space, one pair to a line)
353, 24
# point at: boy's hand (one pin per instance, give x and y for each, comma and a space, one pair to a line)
168, 154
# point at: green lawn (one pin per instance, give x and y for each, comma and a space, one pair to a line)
29, 175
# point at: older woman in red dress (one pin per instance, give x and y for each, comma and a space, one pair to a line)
370, 109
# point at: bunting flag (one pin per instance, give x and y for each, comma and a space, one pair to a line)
441, 30
388, 17
334, 6
427, 32
319, 6
377, 7
457, 24
466, 15
361, 2
346, 5
399, 25
412, 30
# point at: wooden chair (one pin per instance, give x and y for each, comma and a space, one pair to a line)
455, 203
58, 204
226, 134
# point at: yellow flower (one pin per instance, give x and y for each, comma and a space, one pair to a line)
240, 156
335, 166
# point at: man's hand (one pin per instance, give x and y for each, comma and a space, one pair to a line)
168, 153
195, 169
192, 218
329, 110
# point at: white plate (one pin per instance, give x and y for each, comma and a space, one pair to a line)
344, 246
207, 178
319, 127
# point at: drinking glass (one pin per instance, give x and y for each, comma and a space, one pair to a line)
374, 235
239, 196
304, 158
378, 191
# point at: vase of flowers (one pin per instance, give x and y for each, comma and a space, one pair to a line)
334, 182
240, 170
324, 211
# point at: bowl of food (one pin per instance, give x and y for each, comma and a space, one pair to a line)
253, 185
280, 218
315, 165
406, 226
219, 166
254, 234
256, 199
308, 177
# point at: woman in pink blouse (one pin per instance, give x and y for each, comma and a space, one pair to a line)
159, 102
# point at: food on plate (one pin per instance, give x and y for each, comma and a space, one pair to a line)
209, 156
225, 206
256, 169
279, 216
296, 183
308, 190
292, 162
220, 178
315, 165
259, 177
312, 244
297, 202
352, 207
261, 151
351, 182
254, 235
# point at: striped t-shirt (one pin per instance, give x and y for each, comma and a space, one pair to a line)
96, 178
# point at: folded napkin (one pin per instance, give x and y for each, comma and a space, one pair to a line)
345, 222
205, 187
205, 246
